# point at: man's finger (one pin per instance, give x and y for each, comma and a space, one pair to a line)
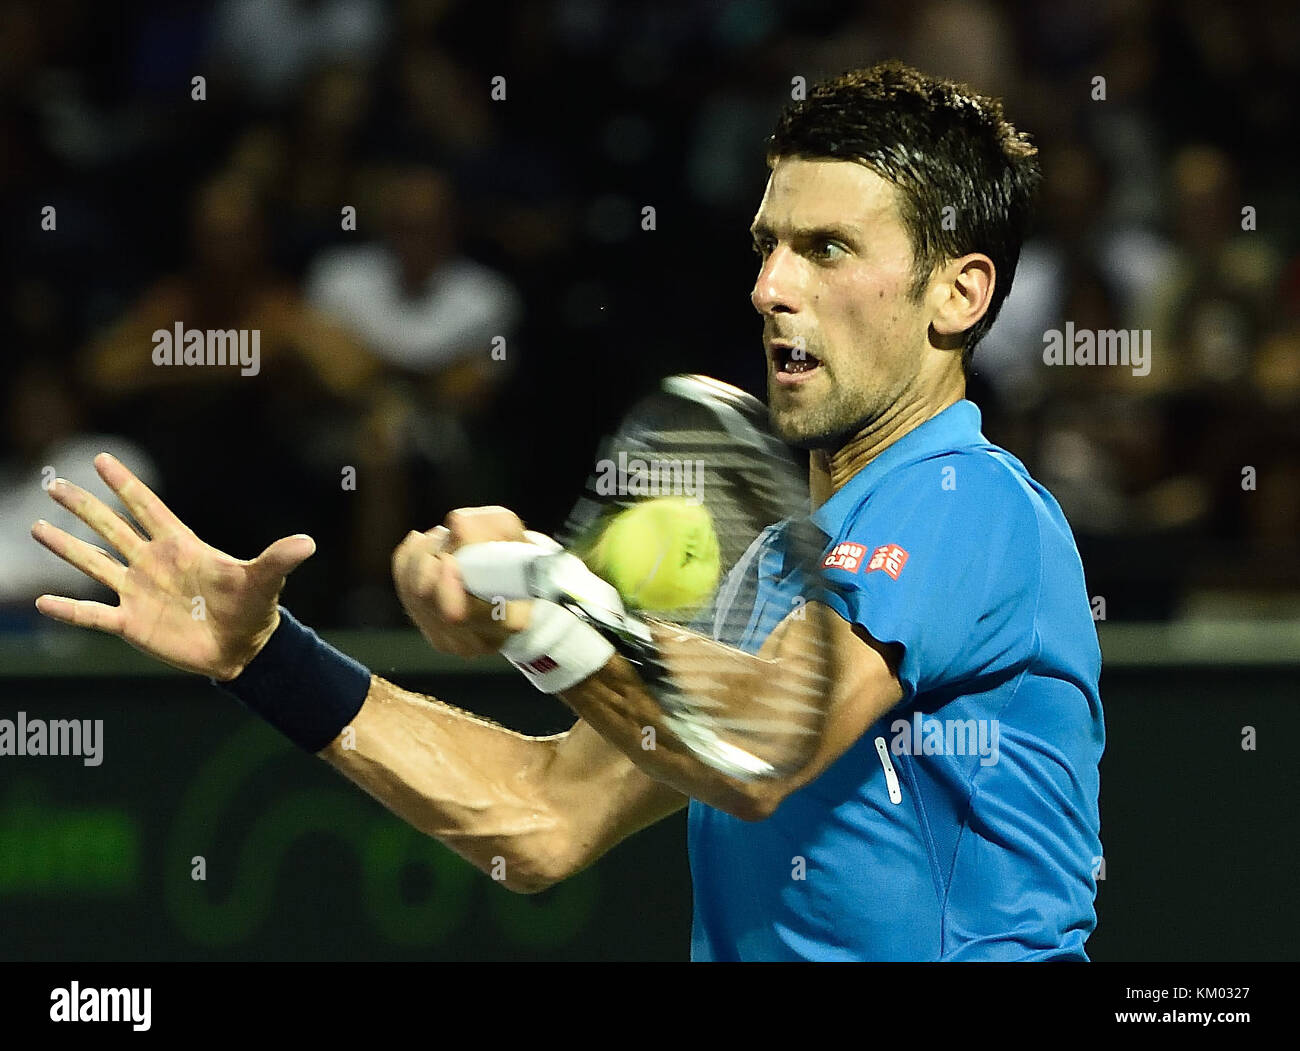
96, 514
95, 562
140, 500
438, 537
472, 525
131, 525
81, 613
285, 555
415, 566
453, 600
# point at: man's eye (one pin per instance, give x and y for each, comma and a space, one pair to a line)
827, 249
760, 250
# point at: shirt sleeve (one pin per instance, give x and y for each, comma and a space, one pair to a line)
942, 558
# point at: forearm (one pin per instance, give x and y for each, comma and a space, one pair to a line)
774, 704
735, 686
476, 787
618, 706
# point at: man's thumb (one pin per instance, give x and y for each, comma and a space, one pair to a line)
285, 555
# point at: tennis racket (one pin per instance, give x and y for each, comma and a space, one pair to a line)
737, 505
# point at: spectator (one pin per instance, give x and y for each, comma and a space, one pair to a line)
44, 424
430, 316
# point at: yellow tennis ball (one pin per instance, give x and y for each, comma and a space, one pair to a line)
661, 555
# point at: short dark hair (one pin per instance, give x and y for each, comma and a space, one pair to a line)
940, 144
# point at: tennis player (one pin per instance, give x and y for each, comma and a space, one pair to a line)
948, 808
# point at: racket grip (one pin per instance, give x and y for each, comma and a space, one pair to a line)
498, 569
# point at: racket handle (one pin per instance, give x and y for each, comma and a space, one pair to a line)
512, 569
498, 569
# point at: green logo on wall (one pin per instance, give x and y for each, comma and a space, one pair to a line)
56, 850
385, 846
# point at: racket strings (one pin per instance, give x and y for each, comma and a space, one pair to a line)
710, 443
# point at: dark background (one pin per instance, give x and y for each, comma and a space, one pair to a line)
95, 864
219, 212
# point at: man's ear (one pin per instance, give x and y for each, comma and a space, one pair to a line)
962, 293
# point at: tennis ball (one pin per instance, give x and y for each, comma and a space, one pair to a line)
660, 555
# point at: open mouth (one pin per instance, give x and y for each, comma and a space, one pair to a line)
790, 358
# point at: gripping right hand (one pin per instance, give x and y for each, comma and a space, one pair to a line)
181, 601
432, 591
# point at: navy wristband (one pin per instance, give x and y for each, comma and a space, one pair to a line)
301, 685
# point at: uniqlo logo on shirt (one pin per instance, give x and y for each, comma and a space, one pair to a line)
889, 557
845, 556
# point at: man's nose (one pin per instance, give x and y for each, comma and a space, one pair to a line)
776, 290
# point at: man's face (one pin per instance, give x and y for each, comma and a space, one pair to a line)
835, 280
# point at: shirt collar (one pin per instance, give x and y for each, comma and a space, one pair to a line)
956, 426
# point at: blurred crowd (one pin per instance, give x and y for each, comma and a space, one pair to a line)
434, 212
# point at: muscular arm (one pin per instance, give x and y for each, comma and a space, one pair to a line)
844, 679
548, 806
860, 684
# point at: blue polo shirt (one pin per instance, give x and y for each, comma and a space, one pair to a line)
963, 825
